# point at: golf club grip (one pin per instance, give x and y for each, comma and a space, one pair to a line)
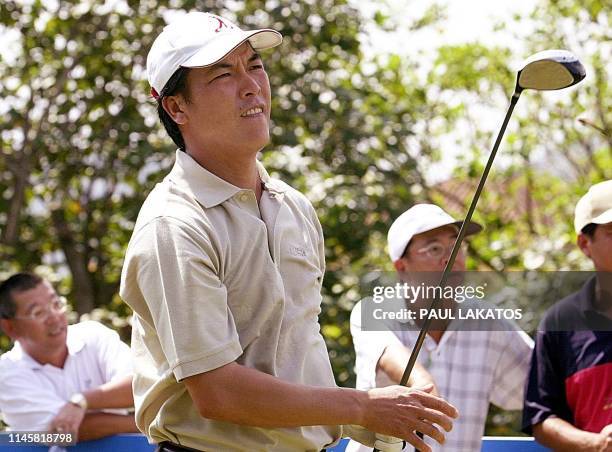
403, 444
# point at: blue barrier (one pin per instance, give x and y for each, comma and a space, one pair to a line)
138, 443
132, 442
489, 444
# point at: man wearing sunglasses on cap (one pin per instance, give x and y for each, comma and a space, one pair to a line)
59, 378
469, 368
224, 272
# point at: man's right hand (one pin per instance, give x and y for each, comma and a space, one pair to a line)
605, 439
68, 420
399, 411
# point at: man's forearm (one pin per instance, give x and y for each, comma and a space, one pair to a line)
115, 394
281, 404
562, 436
99, 425
241, 395
393, 362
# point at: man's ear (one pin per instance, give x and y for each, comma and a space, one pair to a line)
175, 107
400, 265
584, 243
8, 327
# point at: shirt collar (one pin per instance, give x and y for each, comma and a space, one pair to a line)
209, 189
74, 343
586, 295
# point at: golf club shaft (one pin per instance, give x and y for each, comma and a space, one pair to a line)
459, 240
457, 244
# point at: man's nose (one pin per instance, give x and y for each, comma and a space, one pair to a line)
54, 315
248, 85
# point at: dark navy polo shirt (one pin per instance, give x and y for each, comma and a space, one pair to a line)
571, 365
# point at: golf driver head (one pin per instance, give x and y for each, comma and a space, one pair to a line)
550, 70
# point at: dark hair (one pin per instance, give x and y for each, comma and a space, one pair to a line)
405, 253
19, 282
176, 85
589, 230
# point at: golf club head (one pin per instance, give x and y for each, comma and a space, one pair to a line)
550, 70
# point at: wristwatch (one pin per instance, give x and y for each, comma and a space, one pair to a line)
78, 399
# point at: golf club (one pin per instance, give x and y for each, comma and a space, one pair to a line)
543, 71
586, 122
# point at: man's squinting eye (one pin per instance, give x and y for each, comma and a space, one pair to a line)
225, 74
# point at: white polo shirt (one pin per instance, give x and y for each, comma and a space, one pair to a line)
470, 368
214, 277
31, 394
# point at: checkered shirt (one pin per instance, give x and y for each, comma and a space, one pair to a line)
470, 368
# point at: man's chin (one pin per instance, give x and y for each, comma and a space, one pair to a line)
262, 139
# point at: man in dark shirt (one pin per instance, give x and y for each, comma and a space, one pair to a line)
568, 401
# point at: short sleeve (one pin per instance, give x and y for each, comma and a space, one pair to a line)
511, 370
545, 390
369, 347
176, 270
26, 401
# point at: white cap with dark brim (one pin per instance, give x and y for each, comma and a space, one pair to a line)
416, 220
199, 39
595, 207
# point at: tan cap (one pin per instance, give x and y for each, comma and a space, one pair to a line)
595, 206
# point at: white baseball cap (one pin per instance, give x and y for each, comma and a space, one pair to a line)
420, 218
595, 206
199, 39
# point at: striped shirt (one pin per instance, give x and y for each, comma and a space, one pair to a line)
470, 368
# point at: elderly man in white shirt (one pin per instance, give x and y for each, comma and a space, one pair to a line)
469, 368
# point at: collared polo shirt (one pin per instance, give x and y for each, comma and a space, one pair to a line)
571, 368
31, 394
214, 277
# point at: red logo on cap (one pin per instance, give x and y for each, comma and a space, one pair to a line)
221, 25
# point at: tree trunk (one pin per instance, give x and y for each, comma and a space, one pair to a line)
83, 284
11, 230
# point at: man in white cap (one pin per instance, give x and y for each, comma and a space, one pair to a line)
224, 273
469, 368
568, 402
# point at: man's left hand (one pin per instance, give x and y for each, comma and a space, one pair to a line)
68, 420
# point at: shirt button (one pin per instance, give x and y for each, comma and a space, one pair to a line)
244, 197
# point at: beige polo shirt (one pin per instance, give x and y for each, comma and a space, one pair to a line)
213, 277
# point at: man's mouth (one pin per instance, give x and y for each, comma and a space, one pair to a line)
252, 112
56, 331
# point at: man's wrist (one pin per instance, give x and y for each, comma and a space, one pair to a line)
78, 399
362, 406
598, 442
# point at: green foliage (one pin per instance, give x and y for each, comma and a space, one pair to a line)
81, 145
75, 145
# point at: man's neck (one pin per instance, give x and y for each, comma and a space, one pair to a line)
440, 325
55, 358
241, 172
